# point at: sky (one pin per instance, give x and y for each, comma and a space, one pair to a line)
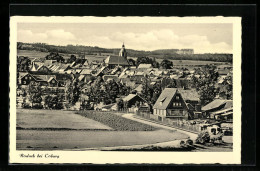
202, 37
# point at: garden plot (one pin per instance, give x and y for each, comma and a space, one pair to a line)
116, 122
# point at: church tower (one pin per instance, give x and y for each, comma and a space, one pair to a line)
123, 52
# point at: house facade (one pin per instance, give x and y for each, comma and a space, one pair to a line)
25, 78
176, 103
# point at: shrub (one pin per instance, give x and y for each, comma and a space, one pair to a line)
26, 106
182, 143
189, 142
37, 106
203, 138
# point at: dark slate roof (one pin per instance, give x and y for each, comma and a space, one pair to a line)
217, 103
191, 94
129, 97
168, 93
116, 60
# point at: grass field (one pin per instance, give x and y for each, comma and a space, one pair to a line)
34, 133
57, 140
55, 119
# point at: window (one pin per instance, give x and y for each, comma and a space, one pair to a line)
177, 97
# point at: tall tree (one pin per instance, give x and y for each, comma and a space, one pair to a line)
72, 91
205, 83
147, 60
226, 88
35, 93
166, 64
55, 56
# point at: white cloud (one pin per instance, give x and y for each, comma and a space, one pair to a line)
151, 40
60, 34
59, 37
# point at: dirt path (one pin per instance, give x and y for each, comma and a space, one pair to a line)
192, 136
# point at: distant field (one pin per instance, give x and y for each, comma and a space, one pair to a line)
32, 54
191, 62
188, 62
40, 119
38, 54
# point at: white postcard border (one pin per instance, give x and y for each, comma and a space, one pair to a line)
111, 157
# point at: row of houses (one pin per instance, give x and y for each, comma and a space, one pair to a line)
175, 103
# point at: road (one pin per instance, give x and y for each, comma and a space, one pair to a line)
192, 136
199, 148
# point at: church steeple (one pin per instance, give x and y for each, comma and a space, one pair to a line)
123, 52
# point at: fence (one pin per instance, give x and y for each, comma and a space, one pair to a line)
182, 124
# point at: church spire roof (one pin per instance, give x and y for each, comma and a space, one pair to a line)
123, 52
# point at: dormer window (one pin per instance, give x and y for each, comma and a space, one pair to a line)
161, 101
177, 97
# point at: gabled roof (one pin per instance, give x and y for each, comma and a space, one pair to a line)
116, 60
140, 73
86, 72
139, 88
107, 77
46, 78
223, 72
145, 66
100, 71
86, 63
64, 67
217, 103
130, 97
22, 74
53, 67
81, 77
165, 98
191, 94
49, 62
168, 93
